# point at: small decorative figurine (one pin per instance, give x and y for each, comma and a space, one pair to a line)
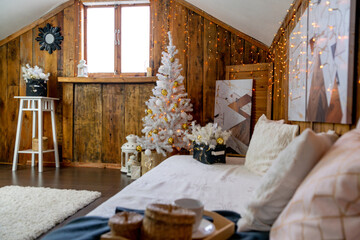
82, 69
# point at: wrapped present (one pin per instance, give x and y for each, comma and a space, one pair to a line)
205, 154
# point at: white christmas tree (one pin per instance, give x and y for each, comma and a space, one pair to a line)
167, 119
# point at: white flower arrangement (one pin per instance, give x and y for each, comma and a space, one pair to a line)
30, 73
210, 135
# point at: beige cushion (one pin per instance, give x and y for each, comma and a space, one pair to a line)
327, 203
280, 182
268, 140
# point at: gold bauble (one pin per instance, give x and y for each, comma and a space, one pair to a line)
185, 126
175, 105
172, 59
220, 141
170, 140
176, 84
150, 134
138, 148
165, 118
149, 111
155, 131
199, 137
152, 117
164, 92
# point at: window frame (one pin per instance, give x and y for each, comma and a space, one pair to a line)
117, 56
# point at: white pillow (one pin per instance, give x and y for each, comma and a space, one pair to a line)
268, 140
282, 179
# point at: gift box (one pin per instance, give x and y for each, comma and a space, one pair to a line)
203, 153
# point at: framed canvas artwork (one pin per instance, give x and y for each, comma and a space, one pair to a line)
233, 111
321, 63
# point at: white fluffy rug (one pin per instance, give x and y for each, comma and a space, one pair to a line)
27, 212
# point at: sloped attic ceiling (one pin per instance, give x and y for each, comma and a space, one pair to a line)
16, 14
256, 18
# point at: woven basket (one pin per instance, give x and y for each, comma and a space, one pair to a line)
164, 221
126, 224
35, 144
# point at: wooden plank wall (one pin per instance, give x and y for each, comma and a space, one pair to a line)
94, 119
279, 55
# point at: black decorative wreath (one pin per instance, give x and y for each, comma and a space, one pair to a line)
49, 38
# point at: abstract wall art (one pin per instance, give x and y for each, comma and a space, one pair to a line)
321, 63
233, 111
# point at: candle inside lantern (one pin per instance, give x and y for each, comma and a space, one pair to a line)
148, 72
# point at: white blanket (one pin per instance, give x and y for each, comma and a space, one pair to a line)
219, 186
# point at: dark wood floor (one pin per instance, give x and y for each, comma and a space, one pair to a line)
106, 181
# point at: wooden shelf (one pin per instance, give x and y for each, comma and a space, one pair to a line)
107, 80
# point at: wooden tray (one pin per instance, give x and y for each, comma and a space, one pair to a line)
224, 229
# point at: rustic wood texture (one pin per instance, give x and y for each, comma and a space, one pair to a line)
260, 73
279, 55
94, 115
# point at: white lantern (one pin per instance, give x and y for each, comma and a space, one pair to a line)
82, 69
127, 150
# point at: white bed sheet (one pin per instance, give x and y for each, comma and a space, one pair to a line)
219, 186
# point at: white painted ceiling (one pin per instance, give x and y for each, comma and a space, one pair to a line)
16, 14
257, 18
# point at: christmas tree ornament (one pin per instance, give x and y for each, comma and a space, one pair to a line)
148, 152
199, 137
164, 92
185, 126
220, 141
149, 111
159, 102
138, 148
165, 121
150, 134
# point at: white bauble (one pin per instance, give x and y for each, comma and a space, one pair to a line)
148, 152
159, 102
190, 117
183, 115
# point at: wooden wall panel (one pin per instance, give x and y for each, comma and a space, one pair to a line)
279, 55
88, 123
113, 122
94, 119
195, 64
3, 101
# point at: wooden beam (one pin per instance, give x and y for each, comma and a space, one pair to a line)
107, 80
37, 22
222, 24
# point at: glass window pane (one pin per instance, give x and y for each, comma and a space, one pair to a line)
135, 38
100, 39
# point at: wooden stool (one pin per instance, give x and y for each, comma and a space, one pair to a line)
39, 105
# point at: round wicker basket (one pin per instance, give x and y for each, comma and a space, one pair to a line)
165, 221
126, 224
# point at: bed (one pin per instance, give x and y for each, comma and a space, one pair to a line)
219, 186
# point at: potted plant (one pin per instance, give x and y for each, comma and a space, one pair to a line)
209, 143
36, 81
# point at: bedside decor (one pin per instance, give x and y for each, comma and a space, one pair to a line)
36, 81
49, 38
166, 221
209, 143
127, 150
126, 224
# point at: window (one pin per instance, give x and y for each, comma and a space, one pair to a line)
117, 39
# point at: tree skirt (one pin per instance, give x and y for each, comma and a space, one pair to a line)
28, 212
